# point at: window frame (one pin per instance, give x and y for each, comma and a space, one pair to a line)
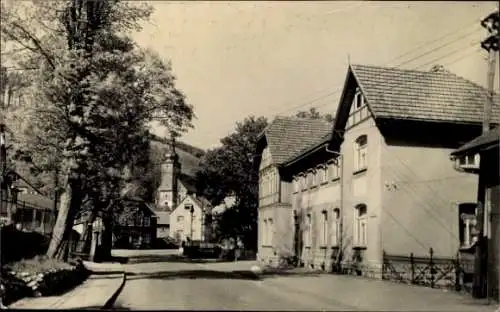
270, 223
335, 230
308, 231
360, 225
324, 230
361, 153
264, 232
358, 95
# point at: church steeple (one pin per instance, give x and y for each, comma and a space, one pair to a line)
170, 170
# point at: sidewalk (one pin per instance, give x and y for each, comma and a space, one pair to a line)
106, 280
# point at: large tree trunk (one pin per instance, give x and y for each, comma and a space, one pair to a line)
86, 238
70, 203
107, 239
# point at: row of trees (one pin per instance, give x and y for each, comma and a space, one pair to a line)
231, 170
91, 95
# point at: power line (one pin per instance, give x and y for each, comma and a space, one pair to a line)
401, 64
404, 63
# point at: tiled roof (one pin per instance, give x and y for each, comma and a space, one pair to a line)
491, 137
423, 95
287, 136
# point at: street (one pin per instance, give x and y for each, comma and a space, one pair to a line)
157, 280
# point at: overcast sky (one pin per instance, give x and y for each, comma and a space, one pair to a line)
235, 59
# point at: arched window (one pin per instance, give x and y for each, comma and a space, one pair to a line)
358, 99
360, 225
360, 152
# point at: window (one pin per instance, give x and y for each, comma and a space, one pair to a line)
324, 229
310, 179
333, 170
358, 99
271, 232
265, 232
146, 221
140, 217
180, 218
189, 207
360, 152
146, 238
315, 177
265, 158
303, 185
322, 171
295, 185
360, 225
335, 231
468, 224
308, 231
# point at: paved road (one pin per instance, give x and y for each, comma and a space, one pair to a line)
157, 281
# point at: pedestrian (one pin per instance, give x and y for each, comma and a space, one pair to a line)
181, 248
238, 248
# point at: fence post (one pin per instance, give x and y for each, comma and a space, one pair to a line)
431, 266
412, 262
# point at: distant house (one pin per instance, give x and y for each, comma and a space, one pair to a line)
378, 181
137, 228
485, 148
31, 211
189, 219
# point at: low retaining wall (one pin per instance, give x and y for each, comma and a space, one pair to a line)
18, 285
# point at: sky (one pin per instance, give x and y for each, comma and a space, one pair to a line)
242, 58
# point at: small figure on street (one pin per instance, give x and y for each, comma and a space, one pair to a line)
181, 248
238, 249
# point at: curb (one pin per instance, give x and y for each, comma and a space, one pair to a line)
111, 301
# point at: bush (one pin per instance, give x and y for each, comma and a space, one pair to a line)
17, 245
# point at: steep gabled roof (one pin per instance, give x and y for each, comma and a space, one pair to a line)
287, 136
422, 95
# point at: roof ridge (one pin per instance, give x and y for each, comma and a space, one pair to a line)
295, 118
443, 71
395, 68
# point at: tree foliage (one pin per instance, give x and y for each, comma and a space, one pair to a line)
230, 170
95, 92
314, 114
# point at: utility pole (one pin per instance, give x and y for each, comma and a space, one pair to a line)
490, 44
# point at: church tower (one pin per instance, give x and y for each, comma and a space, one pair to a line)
170, 170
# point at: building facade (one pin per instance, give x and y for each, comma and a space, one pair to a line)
189, 219
486, 148
382, 182
281, 140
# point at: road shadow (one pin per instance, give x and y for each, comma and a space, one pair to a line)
212, 274
98, 308
171, 258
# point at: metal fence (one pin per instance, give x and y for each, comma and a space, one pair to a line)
27, 216
430, 271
